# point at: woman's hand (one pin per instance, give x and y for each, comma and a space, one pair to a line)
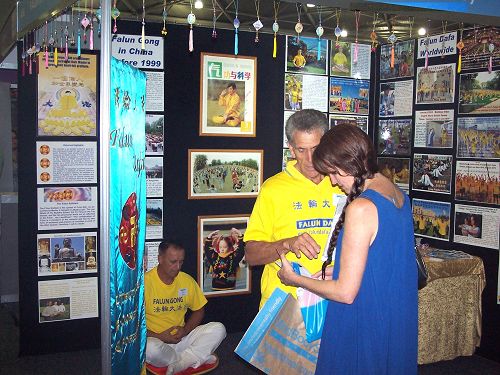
286, 274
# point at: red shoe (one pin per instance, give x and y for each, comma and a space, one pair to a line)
201, 369
156, 370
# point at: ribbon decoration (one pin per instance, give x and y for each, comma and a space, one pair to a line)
214, 20
191, 19
54, 42
373, 35
236, 24
276, 27
298, 26
143, 32
460, 46
392, 39
338, 30
357, 15
319, 33
164, 17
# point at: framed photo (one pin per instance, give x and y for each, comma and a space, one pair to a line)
224, 173
228, 95
302, 55
222, 269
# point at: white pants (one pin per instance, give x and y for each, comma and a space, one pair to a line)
192, 351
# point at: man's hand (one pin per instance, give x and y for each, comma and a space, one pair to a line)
304, 244
172, 335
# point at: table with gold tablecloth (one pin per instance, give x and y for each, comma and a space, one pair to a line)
449, 311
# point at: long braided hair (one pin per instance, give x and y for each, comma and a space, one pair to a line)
348, 148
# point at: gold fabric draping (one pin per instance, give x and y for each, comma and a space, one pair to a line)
449, 319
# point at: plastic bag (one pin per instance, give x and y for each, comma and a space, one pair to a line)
313, 309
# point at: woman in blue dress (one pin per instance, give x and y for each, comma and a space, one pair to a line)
371, 325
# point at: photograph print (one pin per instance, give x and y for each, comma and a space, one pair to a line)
436, 84
222, 269
431, 219
349, 96
479, 92
154, 134
228, 95
306, 55
404, 60
224, 173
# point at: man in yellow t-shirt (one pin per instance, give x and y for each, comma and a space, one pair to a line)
171, 340
299, 61
294, 209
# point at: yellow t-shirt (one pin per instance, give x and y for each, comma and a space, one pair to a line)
290, 204
166, 305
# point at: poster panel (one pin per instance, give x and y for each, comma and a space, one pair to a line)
435, 84
151, 255
431, 219
228, 91
437, 45
306, 55
478, 181
394, 137
349, 95
154, 176
67, 96
222, 269
434, 128
432, 173
477, 226
404, 60
68, 299
358, 57
127, 217
303, 91
476, 53
396, 99
155, 93
359, 121
129, 49
67, 253
67, 207
478, 137
154, 218
155, 134
66, 162
479, 93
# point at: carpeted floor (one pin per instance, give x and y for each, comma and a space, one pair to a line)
88, 362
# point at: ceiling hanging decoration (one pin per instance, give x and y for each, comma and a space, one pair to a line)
357, 15
276, 27
460, 46
411, 20
98, 14
191, 19
91, 36
373, 35
79, 38
298, 26
491, 48
164, 17
143, 31
236, 24
257, 24
85, 23
426, 64
54, 43
338, 30
66, 38
319, 32
45, 44
392, 39
115, 13
444, 25
214, 20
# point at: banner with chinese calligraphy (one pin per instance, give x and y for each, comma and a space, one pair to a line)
127, 217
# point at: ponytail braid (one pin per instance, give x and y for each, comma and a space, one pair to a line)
356, 190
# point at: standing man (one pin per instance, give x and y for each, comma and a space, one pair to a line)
171, 340
294, 208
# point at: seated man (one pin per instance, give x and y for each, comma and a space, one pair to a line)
171, 340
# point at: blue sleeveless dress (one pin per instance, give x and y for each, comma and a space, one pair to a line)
378, 333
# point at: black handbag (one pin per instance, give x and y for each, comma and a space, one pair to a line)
421, 269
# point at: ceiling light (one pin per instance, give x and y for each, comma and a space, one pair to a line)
422, 31
309, 5
198, 4
343, 33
